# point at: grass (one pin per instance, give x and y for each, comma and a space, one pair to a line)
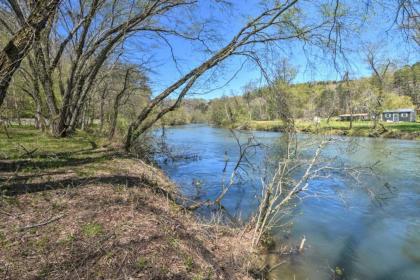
409, 130
112, 208
189, 263
20, 140
402, 126
142, 263
92, 229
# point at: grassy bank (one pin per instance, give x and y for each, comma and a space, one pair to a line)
402, 130
74, 209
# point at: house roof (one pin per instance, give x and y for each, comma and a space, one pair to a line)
399, 111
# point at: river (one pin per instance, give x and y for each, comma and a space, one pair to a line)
344, 227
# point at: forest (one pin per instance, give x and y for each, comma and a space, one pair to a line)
257, 108
321, 99
132, 140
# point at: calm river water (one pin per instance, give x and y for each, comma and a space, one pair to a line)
343, 226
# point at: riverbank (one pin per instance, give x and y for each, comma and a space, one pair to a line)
402, 130
79, 208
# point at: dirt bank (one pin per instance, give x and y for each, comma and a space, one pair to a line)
96, 214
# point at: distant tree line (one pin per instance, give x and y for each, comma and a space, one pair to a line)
67, 64
321, 99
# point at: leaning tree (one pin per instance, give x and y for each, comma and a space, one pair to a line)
276, 25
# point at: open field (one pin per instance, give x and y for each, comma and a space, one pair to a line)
20, 140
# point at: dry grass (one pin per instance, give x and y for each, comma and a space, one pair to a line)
100, 215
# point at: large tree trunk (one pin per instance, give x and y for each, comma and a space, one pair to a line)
39, 118
113, 122
16, 49
36, 96
83, 118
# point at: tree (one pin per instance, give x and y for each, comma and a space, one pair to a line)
407, 19
15, 50
285, 72
326, 104
392, 101
406, 82
278, 22
133, 80
117, 103
85, 36
380, 69
349, 93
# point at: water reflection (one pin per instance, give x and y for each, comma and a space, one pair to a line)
344, 228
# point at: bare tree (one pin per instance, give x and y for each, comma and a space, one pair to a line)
379, 69
283, 187
134, 81
291, 181
117, 102
244, 152
79, 41
274, 25
349, 92
407, 19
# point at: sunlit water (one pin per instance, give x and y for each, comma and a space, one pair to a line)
344, 227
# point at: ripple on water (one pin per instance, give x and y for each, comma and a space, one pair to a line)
344, 228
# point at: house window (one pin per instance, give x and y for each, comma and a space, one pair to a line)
404, 115
387, 115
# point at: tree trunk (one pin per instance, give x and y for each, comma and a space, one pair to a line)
378, 108
113, 122
102, 113
83, 119
117, 105
16, 49
17, 110
37, 116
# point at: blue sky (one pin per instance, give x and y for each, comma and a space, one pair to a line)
377, 30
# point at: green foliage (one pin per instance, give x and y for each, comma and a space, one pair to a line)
177, 117
321, 99
173, 242
41, 243
360, 128
394, 101
92, 229
189, 263
142, 263
69, 239
217, 112
225, 111
191, 111
406, 82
